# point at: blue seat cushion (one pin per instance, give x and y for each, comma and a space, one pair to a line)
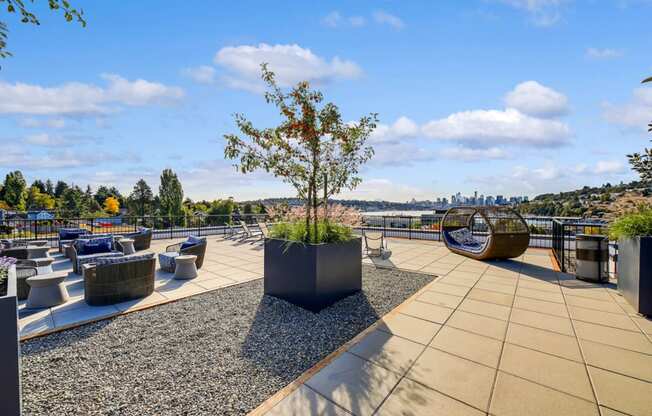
167, 260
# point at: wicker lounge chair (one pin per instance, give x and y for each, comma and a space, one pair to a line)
376, 244
68, 235
507, 233
193, 246
80, 255
142, 239
114, 280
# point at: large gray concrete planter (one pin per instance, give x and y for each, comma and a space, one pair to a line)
10, 404
312, 276
635, 272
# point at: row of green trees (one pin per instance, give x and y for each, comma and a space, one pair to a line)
70, 200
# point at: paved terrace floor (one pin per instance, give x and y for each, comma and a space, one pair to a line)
500, 338
226, 263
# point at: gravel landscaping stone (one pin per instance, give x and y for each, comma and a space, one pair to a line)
222, 352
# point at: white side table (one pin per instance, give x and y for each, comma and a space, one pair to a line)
127, 246
185, 267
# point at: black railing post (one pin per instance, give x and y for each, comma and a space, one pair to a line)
409, 228
170, 225
92, 226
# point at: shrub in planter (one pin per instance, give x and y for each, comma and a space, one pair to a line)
634, 234
316, 152
312, 275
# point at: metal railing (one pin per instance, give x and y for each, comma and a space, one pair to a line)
162, 227
426, 227
564, 245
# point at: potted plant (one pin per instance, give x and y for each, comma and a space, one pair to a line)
633, 231
312, 261
9, 342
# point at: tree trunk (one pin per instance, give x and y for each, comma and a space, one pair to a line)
308, 207
325, 197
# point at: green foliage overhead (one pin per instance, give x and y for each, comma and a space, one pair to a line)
634, 224
312, 148
18, 7
327, 232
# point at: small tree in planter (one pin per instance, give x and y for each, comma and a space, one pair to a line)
633, 230
317, 153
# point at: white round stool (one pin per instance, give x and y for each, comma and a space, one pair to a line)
46, 290
185, 267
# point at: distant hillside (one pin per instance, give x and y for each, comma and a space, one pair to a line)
362, 205
603, 201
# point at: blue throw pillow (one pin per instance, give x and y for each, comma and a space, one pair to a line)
94, 246
187, 244
70, 234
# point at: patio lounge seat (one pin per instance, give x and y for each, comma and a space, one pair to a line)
248, 233
231, 232
142, 239
507, 233
263, 229
375, 244
119, 279
84, 251
192, 246
68, 235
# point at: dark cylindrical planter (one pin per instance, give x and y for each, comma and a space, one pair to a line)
10, 403
312, 276
592, 258
635, 272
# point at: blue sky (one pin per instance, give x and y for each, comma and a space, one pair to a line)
500, 96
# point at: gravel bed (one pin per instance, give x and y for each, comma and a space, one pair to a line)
222, 352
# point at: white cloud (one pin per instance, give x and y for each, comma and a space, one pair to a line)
335, 19
637, 113
471, 155
202, 74
402, 128
18, 157
401, 154
34, 123
606, 53
541, 12
357, 21
551, 177
487, 128
534, 99
385, 18
139, 92
332, 19
602, 167
48, 140
388, 190
76, 98
290, 63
